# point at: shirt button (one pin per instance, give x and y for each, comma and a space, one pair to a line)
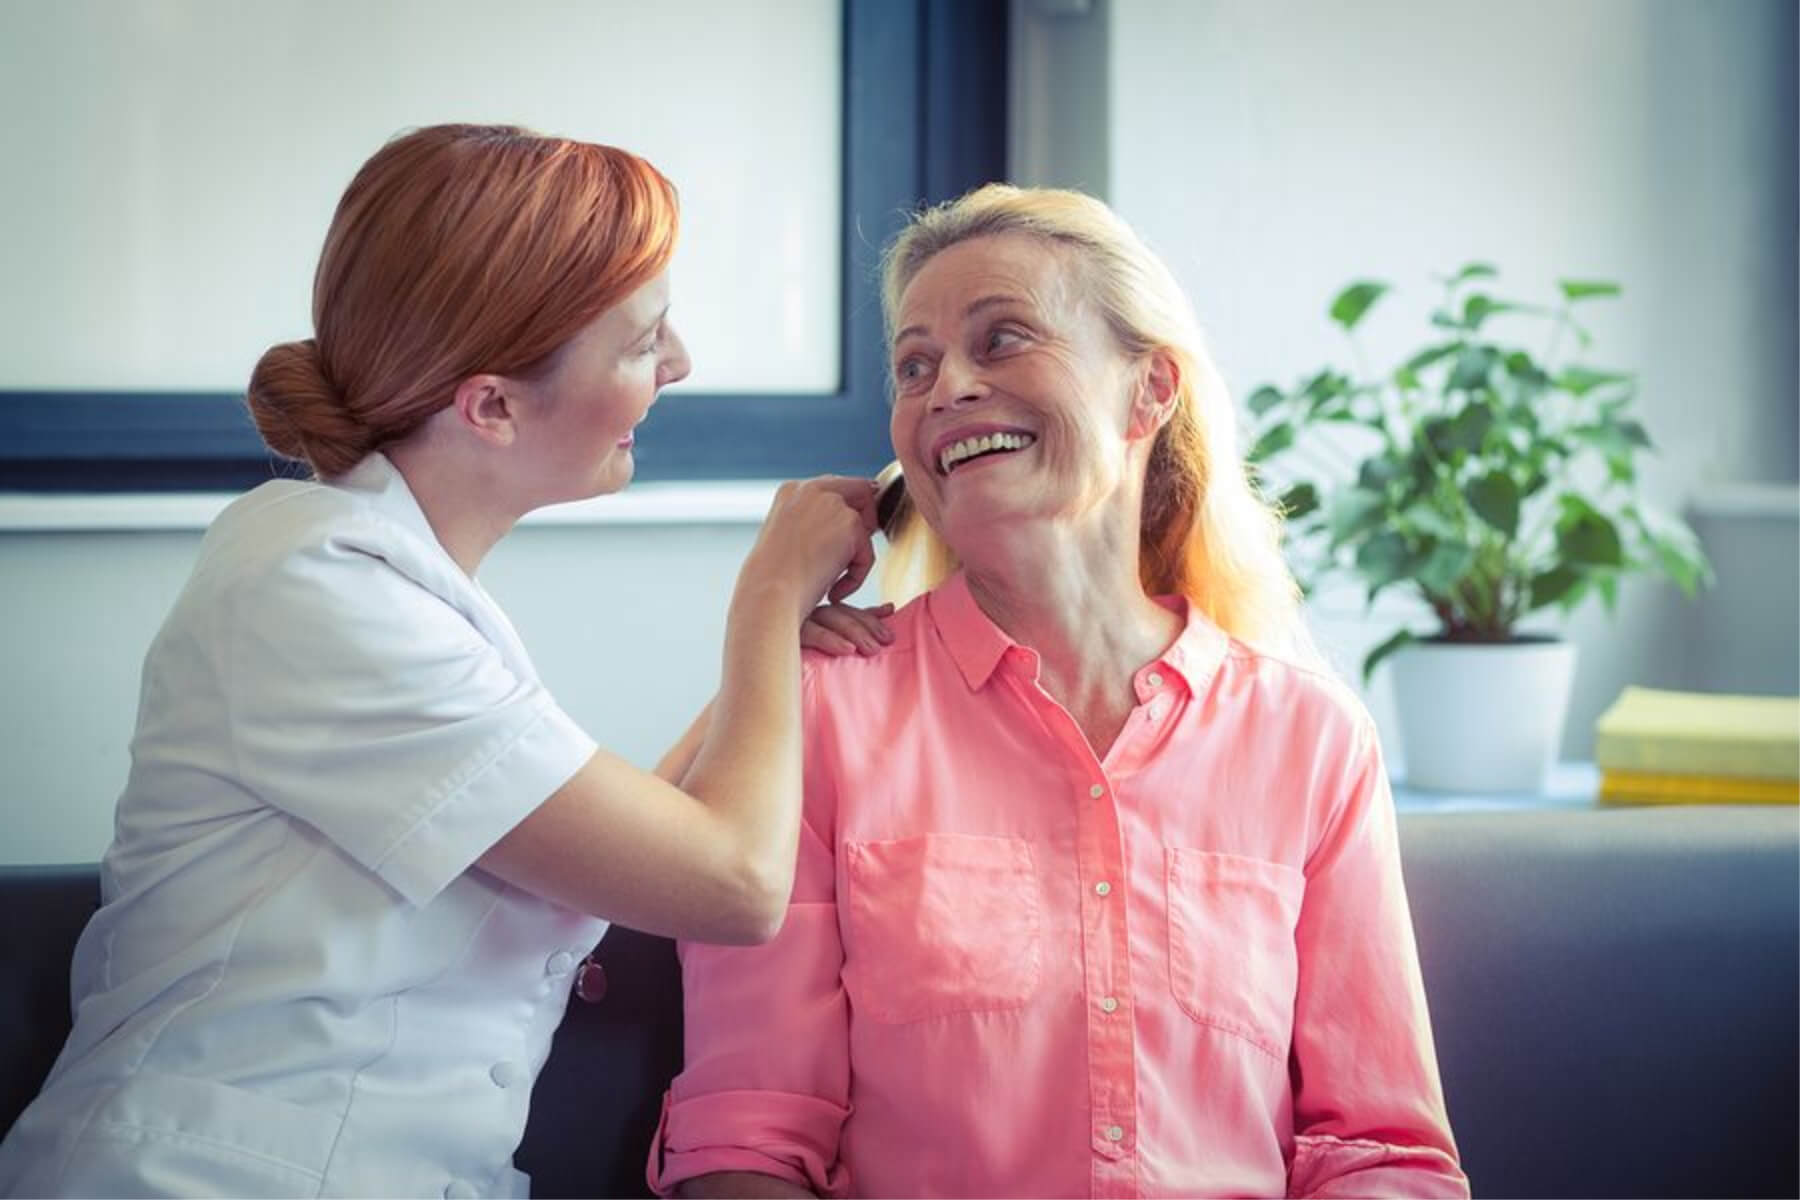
1155, 679
1114, 1133
1158, 707
507, 1074
459, 1190
1097, 791
1103, 888
561, 963
1108, 1004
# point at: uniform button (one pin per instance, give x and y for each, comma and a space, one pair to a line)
459, 1190
1114, 1133
1158, 707
1108, 1004
1103, 888
561, 963
1097, 791
507, 1074
1155, 679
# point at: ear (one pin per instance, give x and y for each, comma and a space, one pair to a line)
485, 408
1154, 402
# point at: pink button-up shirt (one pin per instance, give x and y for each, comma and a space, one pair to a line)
1014, 967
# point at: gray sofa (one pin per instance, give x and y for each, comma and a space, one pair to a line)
1614, 996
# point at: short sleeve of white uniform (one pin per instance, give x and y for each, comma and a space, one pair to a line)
370, 707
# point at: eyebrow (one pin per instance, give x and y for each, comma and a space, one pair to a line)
645, 332
990, 301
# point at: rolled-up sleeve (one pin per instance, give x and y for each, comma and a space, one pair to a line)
1369, 1115
766, 1086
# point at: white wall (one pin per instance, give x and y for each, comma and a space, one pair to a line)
1273, 151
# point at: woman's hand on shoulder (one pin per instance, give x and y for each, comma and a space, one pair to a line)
840, 629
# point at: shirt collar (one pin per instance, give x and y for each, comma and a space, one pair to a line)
379, 483
978, 646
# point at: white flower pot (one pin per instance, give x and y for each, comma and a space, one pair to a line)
1482, 717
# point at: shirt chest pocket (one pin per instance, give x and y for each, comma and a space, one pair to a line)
1232, 958
940, 924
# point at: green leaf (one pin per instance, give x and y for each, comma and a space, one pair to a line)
1443, 320
1608, 583
1384, 559
1354, 301
1580, 381
1495, 499
1353, 512
1373, 659
1635, 433
1552, 585
1299, 500
1264, 398
1524, 369
1586, 538
1472, 368
1583, 289
1447, 563
1430, 355
1435, 432
1478, 308
1676, 550
1475, 270
1470, 428
1274, 440
1376, 474
1424, 516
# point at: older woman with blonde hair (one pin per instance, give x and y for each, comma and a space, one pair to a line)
1098, 889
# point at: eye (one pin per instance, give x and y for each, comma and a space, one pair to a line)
1003, 337
911, 370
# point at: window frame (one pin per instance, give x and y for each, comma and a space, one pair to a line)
924, 99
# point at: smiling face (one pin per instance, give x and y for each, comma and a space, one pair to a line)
579, 414
1012, 398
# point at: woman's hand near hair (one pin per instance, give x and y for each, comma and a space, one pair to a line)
712, 859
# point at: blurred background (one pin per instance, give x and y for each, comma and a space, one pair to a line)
173, 165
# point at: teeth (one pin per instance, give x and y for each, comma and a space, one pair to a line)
968, 448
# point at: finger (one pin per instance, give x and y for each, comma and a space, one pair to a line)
857, 492
816, 637
857, 570
870, 620
849, 621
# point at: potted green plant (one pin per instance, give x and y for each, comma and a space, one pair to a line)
1493, 482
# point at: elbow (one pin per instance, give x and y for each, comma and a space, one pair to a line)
758, 905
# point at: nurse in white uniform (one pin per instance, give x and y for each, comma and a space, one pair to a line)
362, 850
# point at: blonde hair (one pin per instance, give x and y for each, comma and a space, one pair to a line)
457, 249
1207, 533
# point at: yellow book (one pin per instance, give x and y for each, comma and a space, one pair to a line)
1697, 733
1648, 787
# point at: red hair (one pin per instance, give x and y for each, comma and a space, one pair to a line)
456, 250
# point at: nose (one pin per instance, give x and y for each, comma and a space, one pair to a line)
676, 363
959, 383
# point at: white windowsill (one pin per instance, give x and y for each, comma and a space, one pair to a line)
734, 503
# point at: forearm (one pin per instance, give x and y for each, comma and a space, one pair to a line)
747, 766
674, 764
750, 1184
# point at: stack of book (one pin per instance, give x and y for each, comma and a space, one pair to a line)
1660, 747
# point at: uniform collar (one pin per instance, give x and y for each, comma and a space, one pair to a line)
978, 646
379, 483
